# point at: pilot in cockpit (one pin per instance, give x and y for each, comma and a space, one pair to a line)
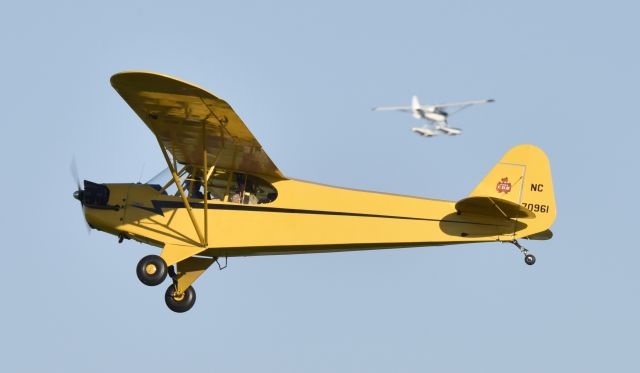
195, 190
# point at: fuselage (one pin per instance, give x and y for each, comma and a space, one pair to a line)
433, 116
304, 218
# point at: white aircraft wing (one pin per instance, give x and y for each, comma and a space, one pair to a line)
460, 104
406, 109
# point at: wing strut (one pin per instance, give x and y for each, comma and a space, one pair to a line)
176, 180
205, 176
207, 172
165, 186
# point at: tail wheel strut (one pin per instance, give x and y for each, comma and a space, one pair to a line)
528, 258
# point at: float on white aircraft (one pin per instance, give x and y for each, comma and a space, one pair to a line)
435, 115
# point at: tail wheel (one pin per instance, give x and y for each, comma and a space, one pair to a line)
151, 270
529, 259
180, 302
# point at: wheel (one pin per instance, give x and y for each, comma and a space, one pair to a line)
529, 259
151, 270
182, 302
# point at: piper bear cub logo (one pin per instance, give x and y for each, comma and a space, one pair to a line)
504, 186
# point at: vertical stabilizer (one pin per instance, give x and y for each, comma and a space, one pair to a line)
415, 107
523, 176
415, 103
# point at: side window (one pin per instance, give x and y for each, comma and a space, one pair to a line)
223, 185
263, 191
218, 183
241, 188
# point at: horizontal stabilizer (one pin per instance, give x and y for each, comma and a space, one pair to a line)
544, 235
493, 207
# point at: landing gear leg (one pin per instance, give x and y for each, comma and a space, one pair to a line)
180, 296
528, 258
171, 271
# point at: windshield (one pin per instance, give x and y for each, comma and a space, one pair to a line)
161, 178
163, 182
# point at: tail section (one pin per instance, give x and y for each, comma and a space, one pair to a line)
521, 180
415, 103
415, 107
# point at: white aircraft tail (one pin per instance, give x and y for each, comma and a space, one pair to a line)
415, 106
415, 103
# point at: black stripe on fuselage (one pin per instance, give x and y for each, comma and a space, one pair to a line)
159, 205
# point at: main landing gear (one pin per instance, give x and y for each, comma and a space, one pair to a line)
180, 296
151, 270
179, 302
176, 300
528, 258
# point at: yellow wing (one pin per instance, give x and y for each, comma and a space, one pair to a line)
176, 112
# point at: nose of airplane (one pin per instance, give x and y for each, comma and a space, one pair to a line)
78, 194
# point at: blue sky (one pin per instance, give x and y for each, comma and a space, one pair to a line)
304, 77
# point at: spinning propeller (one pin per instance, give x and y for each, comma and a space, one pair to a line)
79, 193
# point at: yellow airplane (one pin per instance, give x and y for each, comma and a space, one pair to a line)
249, 207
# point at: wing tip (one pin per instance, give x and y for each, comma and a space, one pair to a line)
141, 78
128, 73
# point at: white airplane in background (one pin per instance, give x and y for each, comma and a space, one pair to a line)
436, 115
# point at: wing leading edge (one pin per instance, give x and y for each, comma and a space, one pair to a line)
460, 104
175, 111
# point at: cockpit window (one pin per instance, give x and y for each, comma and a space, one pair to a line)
223, 186
241, 188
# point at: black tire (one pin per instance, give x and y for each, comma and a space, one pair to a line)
529, 259
151, 270
182, 304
